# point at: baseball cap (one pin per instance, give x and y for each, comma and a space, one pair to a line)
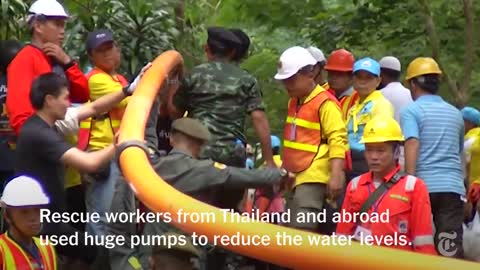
292, 60
97, 38
49, 8
367, 64
317, 54
471, 114
390, 62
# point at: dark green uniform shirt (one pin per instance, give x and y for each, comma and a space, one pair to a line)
220, 95
195, 177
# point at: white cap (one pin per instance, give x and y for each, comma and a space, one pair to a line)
23, 191
317, 54
292, 60
390, 62
49, 8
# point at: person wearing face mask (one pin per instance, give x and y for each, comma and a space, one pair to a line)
46, 22
366, 78
434, 134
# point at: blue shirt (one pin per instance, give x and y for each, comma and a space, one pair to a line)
439, 128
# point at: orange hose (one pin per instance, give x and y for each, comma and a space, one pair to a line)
159, 196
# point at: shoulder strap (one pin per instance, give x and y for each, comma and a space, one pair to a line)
380, 191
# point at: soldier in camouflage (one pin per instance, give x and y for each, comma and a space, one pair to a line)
220, 94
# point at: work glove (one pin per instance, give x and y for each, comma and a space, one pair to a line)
129, 89
474, 193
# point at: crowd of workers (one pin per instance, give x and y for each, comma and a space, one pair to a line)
355, 141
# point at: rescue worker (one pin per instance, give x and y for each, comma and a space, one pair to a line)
69, 127
98, 133
9, 49
219, 94
340, 78
319, 67
176, 257
434, 131
391, 87
471, 118
241, 51
43, 153
46, 22
201, 178
385, 189
19, 246
366, 78
315, 138
394, 91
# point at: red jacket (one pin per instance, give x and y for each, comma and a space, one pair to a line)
27, 65
408, 204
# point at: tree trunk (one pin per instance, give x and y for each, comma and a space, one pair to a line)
464, 93
180, 15
460, 91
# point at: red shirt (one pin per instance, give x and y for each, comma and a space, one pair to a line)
407, 203
27, 65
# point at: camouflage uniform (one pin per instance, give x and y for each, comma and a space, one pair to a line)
220, 95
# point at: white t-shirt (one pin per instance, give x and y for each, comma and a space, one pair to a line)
398, 95
68, 126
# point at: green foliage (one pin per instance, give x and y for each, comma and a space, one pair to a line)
12, 19
143, 29
366, 27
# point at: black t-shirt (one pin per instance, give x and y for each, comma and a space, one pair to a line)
39, 150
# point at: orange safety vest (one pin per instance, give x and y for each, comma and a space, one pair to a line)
347, 102
115, 116
14, 257
303, 134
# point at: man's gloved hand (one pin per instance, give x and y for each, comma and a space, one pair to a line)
474, 193
129, 89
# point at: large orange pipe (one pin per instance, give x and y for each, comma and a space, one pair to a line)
159, 196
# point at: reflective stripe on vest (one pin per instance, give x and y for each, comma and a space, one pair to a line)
115, 116
409, 184
303, 134
14, 257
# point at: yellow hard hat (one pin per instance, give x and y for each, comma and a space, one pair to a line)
382, 129
422, 66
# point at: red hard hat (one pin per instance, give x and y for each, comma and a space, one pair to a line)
340, 60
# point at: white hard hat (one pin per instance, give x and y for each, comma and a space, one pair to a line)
390, 62
23, 191
292, 60
317, 54
49, 8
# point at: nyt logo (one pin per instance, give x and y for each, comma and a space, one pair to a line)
446, 245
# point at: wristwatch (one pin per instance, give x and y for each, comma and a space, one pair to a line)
68, 65
283, 172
